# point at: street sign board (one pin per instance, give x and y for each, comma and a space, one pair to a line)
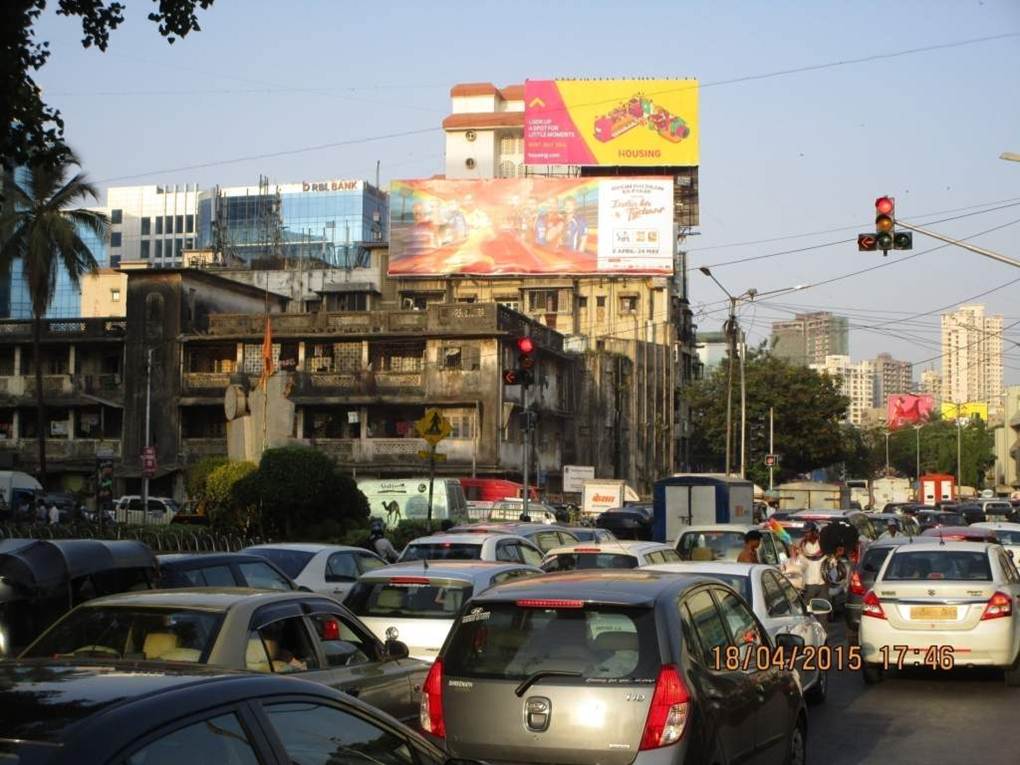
430, 454
771, 460
574, 477
149, 461
433, 427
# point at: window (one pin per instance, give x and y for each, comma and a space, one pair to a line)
116, 217
168, 223
143, 250
189, 224
708, 625
600, 301
263, 576
159, 249
341, 567
543, 300
189, 243
315, 734
159, 224
416, 598
581, 561
739, 619
146, 226
530, 556
115, 239
282, 646
368, 562
178, 246
510, 302
220, 739
776, 603
290, 562
582, 301
341, 644
179, 225
628, 304
796, 604
115, 295
210, 576
937, 565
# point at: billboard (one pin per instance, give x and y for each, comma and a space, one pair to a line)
531, 226
634, 123
965, 411
908, 409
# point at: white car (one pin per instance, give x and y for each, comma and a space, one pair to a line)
161, 510
1008, 535
493, 547
780, 608
724, 541
943, 605
417, 604
327, 569
619, 554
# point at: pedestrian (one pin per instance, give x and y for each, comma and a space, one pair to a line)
752, 541
811, 553
40, 511
54, 514
378, 542
892, 529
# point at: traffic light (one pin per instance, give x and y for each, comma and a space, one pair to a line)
903, 240
885, 237
523, 374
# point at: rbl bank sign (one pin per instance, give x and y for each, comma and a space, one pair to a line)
330, 186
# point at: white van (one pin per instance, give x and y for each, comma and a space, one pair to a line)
129, 510
19, 489
398, 499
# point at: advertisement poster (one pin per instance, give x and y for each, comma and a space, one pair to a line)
966, 411
904, 409
630, 123
531, 226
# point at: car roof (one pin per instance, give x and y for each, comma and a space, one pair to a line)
636, 587
719, 567
465, 570
173, 559
935, 546
466, 538
1004, 525
937, 531
304, 547
901, 539
620, 547
826, 513
198, 598
735, 527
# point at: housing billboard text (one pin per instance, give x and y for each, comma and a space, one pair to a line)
967, 411
908, 409
631, 123
531, 226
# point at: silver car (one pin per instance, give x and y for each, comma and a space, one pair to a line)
329, 569
614, 667
297, 633
417, 604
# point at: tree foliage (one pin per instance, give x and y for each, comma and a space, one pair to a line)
30, 128
299, 493
808, 410
41, 227
198, 475
220, 503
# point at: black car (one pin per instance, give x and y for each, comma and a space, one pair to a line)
221, 570
972, 512
633, 521
929, 519
62, 713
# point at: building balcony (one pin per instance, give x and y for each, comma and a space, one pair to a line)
309, 385
20, 331
62, 388
194, 449
58, 450
393, 451
206, 381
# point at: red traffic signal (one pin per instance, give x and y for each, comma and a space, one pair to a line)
511, 377
866, 243
525, 344
885, 205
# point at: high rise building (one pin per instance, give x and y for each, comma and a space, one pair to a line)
151, 224
891, 376
811, 337
856, 382
931, 382
972, 358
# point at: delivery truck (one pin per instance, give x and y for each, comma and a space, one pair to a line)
695, 499
604, 494
886, 490
17, 490
813, 495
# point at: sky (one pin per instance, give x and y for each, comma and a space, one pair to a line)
786, 156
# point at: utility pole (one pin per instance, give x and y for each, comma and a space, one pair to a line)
917, 430
772, 445
959, 451
148, 412
731, 336
887, 452
960, 243
527, 443
743, 409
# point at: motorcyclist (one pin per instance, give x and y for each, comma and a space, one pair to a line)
378, 542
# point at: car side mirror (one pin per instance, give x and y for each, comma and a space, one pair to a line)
789, 642
396, 649
819, 606
304, 588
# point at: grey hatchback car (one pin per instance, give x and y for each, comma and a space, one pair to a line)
613, 667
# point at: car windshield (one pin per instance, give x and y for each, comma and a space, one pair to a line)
442, 551
123, 632
290, 562
958, 565
409, 598
574, 561
720, 545
509, 642
1007, 537
872, 561
741, 584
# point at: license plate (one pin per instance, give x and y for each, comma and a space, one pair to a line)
933, 613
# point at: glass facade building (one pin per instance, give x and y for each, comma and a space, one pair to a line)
327, 221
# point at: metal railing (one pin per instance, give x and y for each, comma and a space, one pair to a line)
166, 540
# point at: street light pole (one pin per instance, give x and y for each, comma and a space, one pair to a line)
887, 452
917, 430
148, 411
743, 408
731, 336
772, 445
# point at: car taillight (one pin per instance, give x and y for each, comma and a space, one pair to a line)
549, 603
856, 588
855, 556
999, 605
431, 717
667, 716
872, 607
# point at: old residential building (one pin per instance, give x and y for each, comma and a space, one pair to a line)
809, 337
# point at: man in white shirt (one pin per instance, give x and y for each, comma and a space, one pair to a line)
811, 555
54, 514
892, 530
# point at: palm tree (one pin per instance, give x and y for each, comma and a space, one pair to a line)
39, 226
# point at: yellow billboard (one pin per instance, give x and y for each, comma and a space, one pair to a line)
965, 411
642, 123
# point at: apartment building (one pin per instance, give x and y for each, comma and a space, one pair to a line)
972, 358
856, 382
809, 338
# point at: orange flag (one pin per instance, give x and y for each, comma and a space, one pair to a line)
267, 351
